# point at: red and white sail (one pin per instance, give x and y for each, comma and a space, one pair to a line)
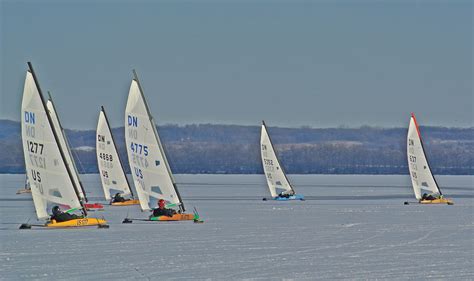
420, 172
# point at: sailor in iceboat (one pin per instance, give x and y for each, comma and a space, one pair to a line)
162, 210
430, 197
118, 198
286, 194
60, 216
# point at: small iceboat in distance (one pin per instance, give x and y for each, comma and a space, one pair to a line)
110, 166
26, 189
278, 183
151, 172
421, 177
49, 176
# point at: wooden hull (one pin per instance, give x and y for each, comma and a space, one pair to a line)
438, 201
175, 217
126, 203
77, 222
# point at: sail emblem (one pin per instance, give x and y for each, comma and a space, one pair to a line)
425, 184
157, 163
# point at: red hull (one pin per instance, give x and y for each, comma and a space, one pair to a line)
93, 206
89, 206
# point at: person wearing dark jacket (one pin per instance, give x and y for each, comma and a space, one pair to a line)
60, 216
428, 197
118, 198
286, 194
162, 210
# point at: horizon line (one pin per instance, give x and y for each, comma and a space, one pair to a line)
365, 126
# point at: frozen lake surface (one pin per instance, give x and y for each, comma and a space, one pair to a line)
350, 227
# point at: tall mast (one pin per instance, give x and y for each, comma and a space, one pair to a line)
68, 147
160, 145
423, 148
84, 211
279, 164
115, 146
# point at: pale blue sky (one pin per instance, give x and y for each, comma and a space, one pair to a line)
316, 63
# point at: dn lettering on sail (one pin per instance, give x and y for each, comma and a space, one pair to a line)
132, 124
30, 117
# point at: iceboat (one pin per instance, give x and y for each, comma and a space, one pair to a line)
49, 175
422, 179
26, 189
63, 142
277, 181
151, 172
111, 171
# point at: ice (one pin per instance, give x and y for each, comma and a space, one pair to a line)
351, 227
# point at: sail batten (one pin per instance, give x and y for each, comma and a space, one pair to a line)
150, 169
49, 177
110, 165
420, 172
274, 172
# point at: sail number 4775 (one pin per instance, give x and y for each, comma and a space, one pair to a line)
139, 148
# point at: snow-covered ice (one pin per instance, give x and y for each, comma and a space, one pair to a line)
351, 227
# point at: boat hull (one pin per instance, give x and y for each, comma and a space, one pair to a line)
88, 206
77, 223
175, 217
292, 197
438, 201
126, 203
22, 191
91, 206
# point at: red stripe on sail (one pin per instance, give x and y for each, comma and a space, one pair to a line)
416, 124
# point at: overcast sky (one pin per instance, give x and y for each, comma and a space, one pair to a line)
319, 64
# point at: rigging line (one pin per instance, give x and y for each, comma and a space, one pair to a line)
76, 157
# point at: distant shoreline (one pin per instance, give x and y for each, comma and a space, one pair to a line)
234, 149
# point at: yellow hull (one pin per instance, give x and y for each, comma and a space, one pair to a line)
438, 201
176, 217
77, 222
127, 203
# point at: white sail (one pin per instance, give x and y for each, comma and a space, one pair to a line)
420, 172
150, 170
276, 178
110, 167
48, 175
65, 148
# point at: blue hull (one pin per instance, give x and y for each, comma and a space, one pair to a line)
292, 197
